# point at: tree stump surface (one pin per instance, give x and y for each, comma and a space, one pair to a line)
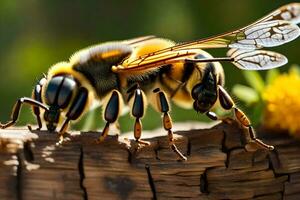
33, 167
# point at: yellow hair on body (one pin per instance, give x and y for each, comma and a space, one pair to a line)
148, 47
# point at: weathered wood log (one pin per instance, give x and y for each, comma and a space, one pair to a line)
32, 166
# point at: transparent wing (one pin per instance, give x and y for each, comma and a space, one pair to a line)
134, 42
155, 60
274, 29
243, 59
269, 31
289, 12
265, 34
256, 59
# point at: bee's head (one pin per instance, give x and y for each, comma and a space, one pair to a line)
204, 98
58, 94
205, 92
52, 117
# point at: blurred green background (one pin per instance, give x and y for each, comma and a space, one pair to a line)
34, 34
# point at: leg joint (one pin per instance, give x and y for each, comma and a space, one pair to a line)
225, 99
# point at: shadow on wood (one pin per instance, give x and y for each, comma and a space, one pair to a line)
218, 167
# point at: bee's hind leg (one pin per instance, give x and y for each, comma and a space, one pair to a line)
228, 104
163, 107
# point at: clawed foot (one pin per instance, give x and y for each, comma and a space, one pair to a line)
31, 129
100, 139
179, 154
61, 140
258, 144
142, 142
227, 120
4, 126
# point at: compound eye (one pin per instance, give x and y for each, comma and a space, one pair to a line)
197, 90
66, 91
60, 90
52, 89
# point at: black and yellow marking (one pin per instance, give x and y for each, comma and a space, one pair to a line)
95, 64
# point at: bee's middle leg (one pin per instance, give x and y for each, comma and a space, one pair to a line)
138, 107
163, 107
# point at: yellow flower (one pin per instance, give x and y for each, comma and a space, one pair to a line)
282, 98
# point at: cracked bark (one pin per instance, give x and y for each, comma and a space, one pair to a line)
218, 167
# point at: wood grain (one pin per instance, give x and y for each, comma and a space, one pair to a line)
32, 166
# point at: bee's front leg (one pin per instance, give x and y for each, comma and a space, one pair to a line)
62, 131
76, 110
37, 95
17, 107
228, 104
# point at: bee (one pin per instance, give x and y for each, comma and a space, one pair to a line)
151, 70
